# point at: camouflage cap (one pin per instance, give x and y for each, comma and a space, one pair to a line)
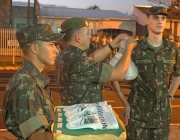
154, 10
74, 23
35, 32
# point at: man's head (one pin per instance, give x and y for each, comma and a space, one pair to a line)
77, 32
156, 19
96, 38
109, 39
103, 40
93, 37
37, 42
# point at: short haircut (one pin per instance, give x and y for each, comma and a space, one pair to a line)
69, 34
25, 49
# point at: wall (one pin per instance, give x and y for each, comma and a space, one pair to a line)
94, 24
19, 15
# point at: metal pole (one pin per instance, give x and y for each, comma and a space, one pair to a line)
171, 23
10, 20
35, 3
13, 55
28, 12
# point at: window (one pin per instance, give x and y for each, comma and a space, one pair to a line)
20, 25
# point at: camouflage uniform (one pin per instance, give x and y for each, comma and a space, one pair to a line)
79, 77
27, 104
149, 98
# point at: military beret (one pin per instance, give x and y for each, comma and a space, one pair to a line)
74, 23
35, 32
154, 10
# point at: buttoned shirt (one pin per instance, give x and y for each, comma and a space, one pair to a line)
149, 98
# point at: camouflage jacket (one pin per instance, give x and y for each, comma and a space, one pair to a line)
149, 98
27, 103
78, 77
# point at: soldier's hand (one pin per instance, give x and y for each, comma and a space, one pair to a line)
130, 43
116, 42
126, 114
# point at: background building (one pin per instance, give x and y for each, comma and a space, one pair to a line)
5, 13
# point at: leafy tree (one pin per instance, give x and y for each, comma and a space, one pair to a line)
94, 7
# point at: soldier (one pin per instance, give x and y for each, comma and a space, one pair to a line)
103, 41
93, 44
27, 104
97, 40
109, 39
157, 59
78, 76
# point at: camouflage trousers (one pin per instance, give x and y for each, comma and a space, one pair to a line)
138, 133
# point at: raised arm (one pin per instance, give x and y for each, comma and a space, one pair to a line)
100, 54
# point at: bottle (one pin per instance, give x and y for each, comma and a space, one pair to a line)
132, 71
119, 54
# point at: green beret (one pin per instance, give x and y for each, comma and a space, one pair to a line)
155, 10
74, 23
35, 32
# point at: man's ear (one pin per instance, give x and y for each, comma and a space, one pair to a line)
34, 48
147, 20
77, 38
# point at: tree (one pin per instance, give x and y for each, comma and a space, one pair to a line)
94, 7
173, 9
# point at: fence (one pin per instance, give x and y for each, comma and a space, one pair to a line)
9, 45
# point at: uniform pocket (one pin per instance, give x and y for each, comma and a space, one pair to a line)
168, 66
145, 68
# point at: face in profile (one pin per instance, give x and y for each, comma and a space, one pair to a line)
85, 38
47, 52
